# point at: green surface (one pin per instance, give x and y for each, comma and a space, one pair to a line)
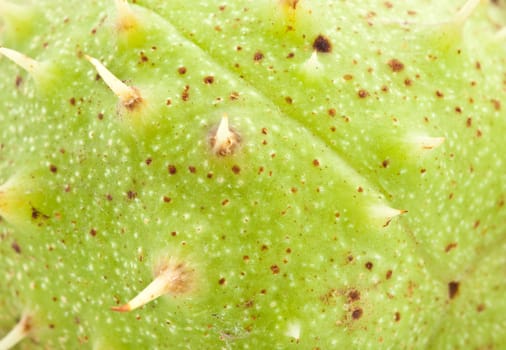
287, 232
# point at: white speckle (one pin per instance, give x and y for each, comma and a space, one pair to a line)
293, 330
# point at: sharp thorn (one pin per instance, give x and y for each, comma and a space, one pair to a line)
18, 333
20, 59
223, 139
427, 142
173, 278
129, 96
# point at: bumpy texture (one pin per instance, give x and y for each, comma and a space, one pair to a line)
360, 204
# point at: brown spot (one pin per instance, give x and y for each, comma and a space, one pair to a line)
347, 77
331, 112
264, 131
236, 169
225, 202
476, 224
477, 65
264, 247
453, 289
362, 93
168, 102
458, 109
360, 189
353, 295
210, 175
100, 116
181, 70
173, 233
275, 269
357, 313
450, 246
93, 232
368, 265
469, 122
192, 169
497, 104
408, 82
439, 94
36, 214
53, 168
221, 281
72, 101
385, 163
423, 171
258, 56
397, 316
167, 199
185, 95
396, 65
209, 80
172, 169
131, 195
234, 95
16, 247
245, 258
322, 44
388, 274
480, 307
19, 80
290, 55
148, 161
288, 100
108, 197
316, 162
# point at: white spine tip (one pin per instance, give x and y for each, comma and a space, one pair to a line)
173, 278
293, 330
427, 142
20, 59
18, 333
129, 96
313, 65
224, 140
466, 11
386, 213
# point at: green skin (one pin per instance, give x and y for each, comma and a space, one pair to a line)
285, 233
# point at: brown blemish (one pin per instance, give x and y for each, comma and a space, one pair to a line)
331, 112
480, 307
167, 199
348, 77
185, 95
439, 94
19, 80
357, 313
408, 82
148, 161
469, 122
453, 289
316, 162
450, 246
385, 163
53, 169
360, 189
258, 56
93, 232
363, 93
131, 195
275, 269
290, 55
100, 116
181, 70
172, 169
396, 65
208, 80
388, 275
234, 95
397, 316
192, 169
322, 44
476, 224
72, 101
236, 169
288, 100
16, 247
353, 295
497, 104
221, 281
458, 109
368, 265
37, 214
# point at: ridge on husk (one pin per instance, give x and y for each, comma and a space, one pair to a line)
264, 174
